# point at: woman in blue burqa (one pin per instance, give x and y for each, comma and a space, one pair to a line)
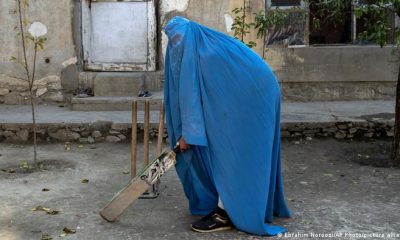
223, 107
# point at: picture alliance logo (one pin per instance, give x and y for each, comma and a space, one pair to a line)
335, 235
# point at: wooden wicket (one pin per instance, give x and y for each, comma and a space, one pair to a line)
146, 128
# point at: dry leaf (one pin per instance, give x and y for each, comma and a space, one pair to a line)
52, 212
46, 237
8, 170
85, 180
49, 211
69, 230
37, 208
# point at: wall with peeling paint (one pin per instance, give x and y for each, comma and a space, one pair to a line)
307, 73
216, 14
58, 54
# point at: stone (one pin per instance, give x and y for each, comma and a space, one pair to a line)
96, 134
40, 92
119, 126
73, 135
342, 126
14, 84
55, 86
40, 131
122, 137
4, 91
8, 134
53, 97
47, 80
112, 139
369, 135
12, 127
350, 136
330, 129
83, 140
14, 98
340, 135
64, 135
352, 130
389, 133
295, 129
390, 124
85, 133
22, 135
113, 132
90, 140
284, 134
311, 131
75, 129
25, 94
325, 134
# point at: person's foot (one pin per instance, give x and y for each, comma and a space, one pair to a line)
217, 220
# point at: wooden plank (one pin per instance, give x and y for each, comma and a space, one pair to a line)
138, 185
160, 129
134, 138
123, 199
146, 126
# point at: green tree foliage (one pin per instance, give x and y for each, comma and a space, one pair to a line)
378, 28
240, 26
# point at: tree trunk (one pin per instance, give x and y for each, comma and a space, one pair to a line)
395, 156
33, 109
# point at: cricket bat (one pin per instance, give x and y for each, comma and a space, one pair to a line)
138, 185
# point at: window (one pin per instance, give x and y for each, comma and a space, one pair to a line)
293, 32
345, 32
285, 3
329, 32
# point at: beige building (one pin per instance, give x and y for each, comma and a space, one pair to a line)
114, 49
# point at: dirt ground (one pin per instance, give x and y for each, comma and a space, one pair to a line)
332, 187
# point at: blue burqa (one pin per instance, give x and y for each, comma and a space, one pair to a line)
224, 101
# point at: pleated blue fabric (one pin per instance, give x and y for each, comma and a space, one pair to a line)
224, 101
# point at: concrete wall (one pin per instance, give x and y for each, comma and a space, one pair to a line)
335, 72
308, 73
59, 51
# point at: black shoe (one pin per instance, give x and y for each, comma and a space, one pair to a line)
217, 220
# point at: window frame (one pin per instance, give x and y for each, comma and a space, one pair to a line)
269, 5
